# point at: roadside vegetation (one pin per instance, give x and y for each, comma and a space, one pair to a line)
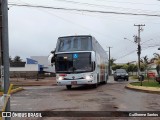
131, 67
135, 77
150, 83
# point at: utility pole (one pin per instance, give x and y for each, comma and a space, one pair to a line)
0, 31
5, 49
109, 63
1, 51
138, 41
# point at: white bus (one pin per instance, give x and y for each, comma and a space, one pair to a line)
80, 60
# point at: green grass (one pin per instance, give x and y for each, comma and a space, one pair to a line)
147, 84
14, 87
135, 77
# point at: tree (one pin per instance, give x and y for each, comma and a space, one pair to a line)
135, 69
145, 60
17, 59
114, 67
144, 64
112, 60
10, 59
131, 68
125, 66
156, 56
143, 67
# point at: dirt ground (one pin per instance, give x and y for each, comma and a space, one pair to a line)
110, 97
47, 81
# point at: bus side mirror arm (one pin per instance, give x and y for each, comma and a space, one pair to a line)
53, 60
93, 65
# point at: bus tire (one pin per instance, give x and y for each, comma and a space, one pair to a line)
105, 81
97, 78
68, 87
95, 85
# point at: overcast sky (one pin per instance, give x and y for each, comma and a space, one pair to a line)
34, 31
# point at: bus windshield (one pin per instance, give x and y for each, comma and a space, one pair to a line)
74, 43
73, 62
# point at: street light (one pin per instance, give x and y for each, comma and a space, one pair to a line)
129, 40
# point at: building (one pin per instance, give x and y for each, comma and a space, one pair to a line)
31, 68
43, 60
151, 70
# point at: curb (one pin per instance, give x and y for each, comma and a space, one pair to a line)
143, 89
14, 90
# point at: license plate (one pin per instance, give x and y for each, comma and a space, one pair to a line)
74, 82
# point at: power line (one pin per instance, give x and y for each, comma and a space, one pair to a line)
129, 40
131, 3
85, 10
126, 54
64, 19
146, 41
150, 46
93, 15
104, 6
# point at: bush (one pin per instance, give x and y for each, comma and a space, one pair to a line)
134, 77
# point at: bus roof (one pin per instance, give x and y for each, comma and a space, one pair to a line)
76, 36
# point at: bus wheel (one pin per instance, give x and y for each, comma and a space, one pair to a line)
68, 87
105, 82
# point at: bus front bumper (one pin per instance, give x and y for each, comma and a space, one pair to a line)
75, 82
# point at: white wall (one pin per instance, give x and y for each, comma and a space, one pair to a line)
28, 67
43, 60
152, 68
50, 69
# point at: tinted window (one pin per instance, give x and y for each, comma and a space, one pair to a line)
73, 62
120, 71
81, 43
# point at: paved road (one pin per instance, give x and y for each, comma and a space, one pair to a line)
110, 97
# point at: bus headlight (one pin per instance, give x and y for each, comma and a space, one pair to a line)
89, 77
60, 78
